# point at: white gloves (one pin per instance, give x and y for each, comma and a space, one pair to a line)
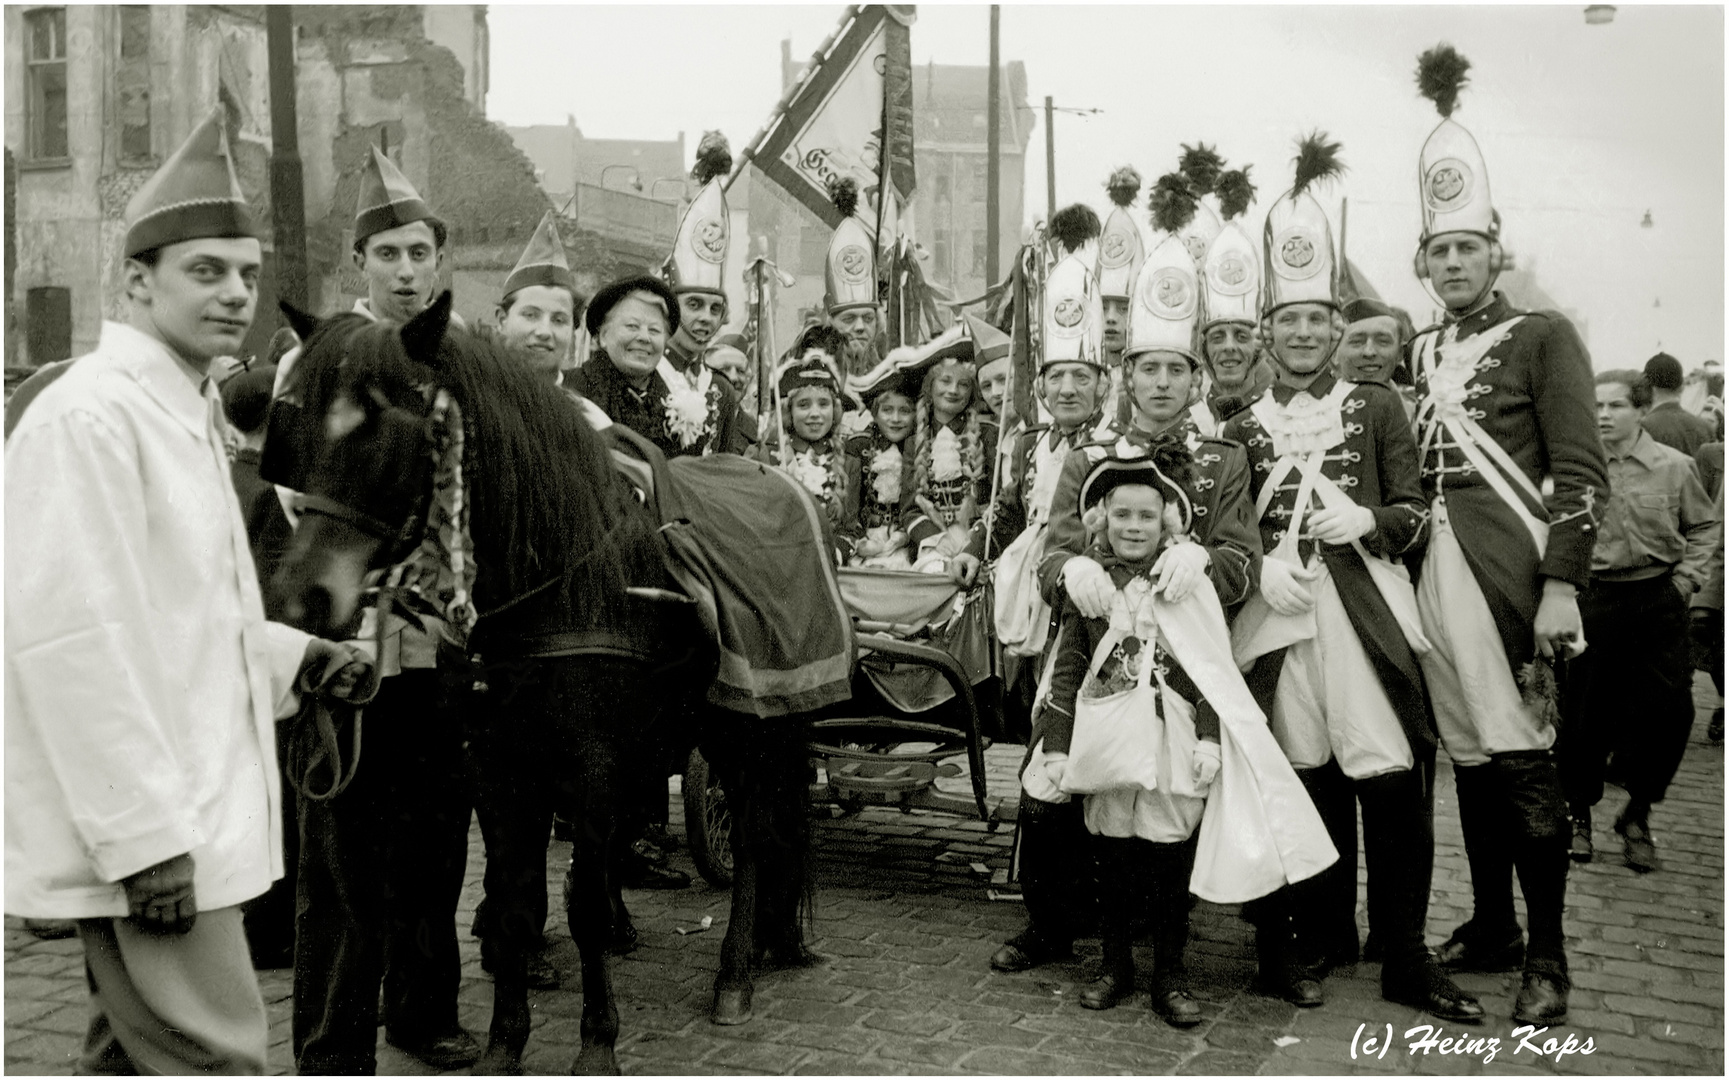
1055, 766
1341, 526
1089, 586
1180, 568
1206, 763
1281, 585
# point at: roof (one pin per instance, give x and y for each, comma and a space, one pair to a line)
560, 152
950, 100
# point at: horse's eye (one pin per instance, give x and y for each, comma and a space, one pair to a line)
344, 416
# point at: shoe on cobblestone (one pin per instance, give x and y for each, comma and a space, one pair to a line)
1638, 848
452, 1050
1293, 983
1465, 952
1580, 851
1429, 989
1107, 991
1542, 1000
1177, 1008
1027, 950
645, 868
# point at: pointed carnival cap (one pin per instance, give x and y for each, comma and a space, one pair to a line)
1297, 241
1453, 178
543, 261
698, 259
1074, 316
989, 343
387, 200
193, 195
1167, 303
1231, 272
850, 273
1120, 247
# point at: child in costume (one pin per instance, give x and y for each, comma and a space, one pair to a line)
953, 451
1199, 798
810, 448
882, 452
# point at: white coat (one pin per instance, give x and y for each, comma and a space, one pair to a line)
142, 680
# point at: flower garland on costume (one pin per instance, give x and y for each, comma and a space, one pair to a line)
886, 467
690, 406
945, 457
819, 468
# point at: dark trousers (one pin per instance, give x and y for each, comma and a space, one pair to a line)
1514, 815
270, 918
1055, 859
1313, 922
380, 875
1707, 630
1141, 882
1630, 693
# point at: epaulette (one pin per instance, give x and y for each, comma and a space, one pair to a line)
1221, 440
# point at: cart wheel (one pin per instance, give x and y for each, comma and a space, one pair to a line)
707, 822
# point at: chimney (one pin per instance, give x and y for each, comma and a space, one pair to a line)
786, 69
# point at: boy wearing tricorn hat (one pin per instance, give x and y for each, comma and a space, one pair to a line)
1331, 635
1506, 407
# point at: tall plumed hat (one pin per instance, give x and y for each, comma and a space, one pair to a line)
850, 273
1120, 247
1073, 228
387, 200
698, 259
193, 195
1231, 272
1452, 176
1166, 306
1074, 316
1301, 266
543, 261
1179, 210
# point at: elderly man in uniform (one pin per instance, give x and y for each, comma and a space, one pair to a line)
142, 680
382, 864
1505, 412
1329, 636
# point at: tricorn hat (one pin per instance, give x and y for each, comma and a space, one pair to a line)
1166, 468
543, 261
193, 195
387, 200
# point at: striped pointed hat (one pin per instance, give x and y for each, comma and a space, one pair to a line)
698, 259
542, 262
387, 200
193, 195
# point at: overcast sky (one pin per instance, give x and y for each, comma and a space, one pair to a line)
1585, 128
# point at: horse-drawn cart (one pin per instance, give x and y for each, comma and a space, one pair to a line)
923, 698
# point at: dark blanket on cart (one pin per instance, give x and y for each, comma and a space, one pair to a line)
752, 547
958, 622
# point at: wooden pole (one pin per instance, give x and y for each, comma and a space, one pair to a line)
1050, 165
993, 150
287, 190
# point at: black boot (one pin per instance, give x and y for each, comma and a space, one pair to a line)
1280, 974
1541, 829
1117, 984
1491, 939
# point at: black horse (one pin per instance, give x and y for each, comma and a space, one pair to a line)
580, 645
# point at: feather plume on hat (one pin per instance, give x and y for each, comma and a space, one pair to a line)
1317, 160
1235, 192
1172, 202
843, 191
1441, 74
1201, 166
1123, 185
713, 158
1074, 225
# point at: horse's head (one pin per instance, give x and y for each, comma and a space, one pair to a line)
351, 434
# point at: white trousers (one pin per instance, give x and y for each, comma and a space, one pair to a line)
1478, 708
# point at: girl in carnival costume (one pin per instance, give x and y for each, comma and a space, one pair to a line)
810, 448
954, 446
882, 451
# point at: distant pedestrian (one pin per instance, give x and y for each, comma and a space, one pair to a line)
1666, 420
1630, 693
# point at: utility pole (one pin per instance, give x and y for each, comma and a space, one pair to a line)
287, 191
993, 160
1050, 164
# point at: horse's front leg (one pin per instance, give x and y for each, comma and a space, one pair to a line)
589, 910
515, 864
732, 983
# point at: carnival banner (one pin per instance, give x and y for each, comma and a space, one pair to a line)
854, 97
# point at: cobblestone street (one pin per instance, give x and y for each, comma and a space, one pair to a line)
904, 918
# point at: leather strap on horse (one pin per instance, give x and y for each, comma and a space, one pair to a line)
318, 719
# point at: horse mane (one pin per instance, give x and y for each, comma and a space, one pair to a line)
540, 481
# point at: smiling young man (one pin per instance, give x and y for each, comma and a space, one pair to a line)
1631, 694
1231, 278
1372, 342
1338, 497
537, 314
696, 272
142, 680
1514, 470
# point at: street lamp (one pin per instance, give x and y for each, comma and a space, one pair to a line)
635, 177
1599, 14
683, 191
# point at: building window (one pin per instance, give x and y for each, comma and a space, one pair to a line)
132, 83
46, 79
48, 324
942, 187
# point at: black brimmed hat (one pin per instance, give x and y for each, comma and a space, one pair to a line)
610, 294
